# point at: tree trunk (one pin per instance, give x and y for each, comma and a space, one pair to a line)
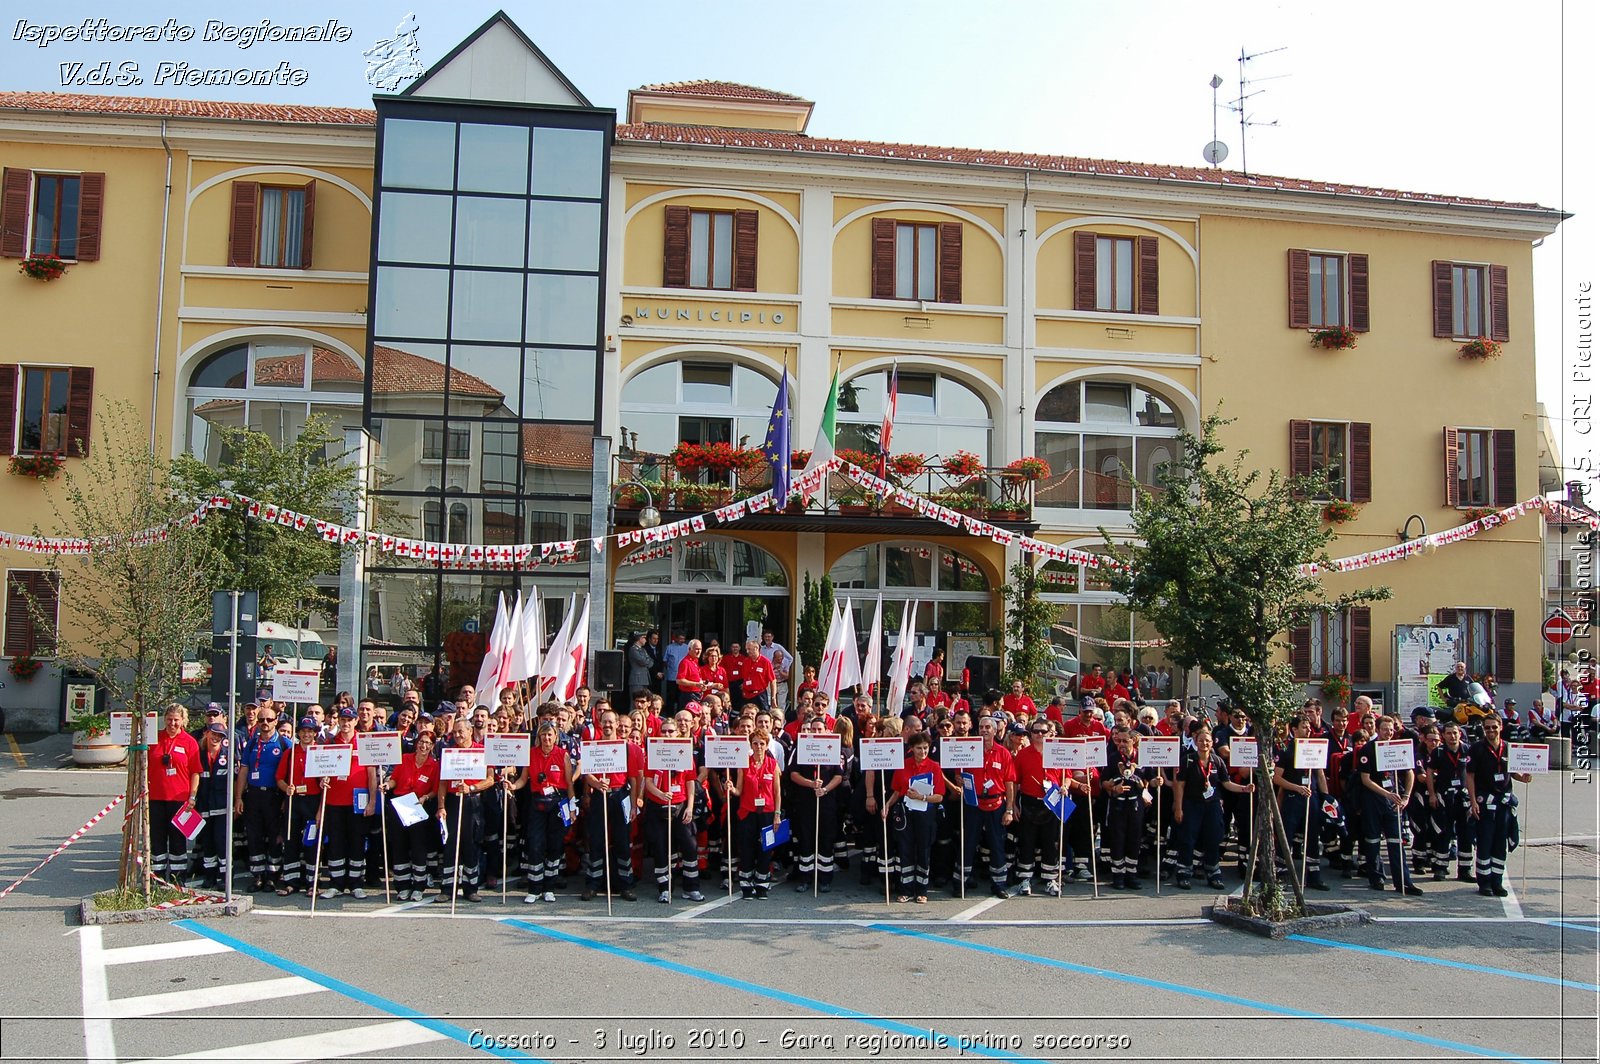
1270, 838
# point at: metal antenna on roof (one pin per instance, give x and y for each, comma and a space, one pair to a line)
1216, 151
1238, 106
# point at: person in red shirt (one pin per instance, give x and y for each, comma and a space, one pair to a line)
1172, 725
690, 682
1092, 682
756, 678
1038, 835
1017, 703
461, 812
174, 774
416, 774
548, 782
301, 811
344, 836
937, 697
921, 781
760, 804
1116, 688
1088, 722
669, 824
995, 785
713, 675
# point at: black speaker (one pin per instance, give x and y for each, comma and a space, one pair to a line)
607, 672
983, 673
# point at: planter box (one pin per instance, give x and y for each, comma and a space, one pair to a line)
97, 751
854, 509
1320, 917
89, 916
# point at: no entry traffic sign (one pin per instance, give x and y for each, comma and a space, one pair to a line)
1557, 628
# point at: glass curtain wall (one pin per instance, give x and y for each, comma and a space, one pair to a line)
483, 385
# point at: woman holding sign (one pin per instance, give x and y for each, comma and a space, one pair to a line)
174, 774
760, 804
301, 811
816, 810
548, 780
1197, 811
920, 786
1489, 804
460, 810
1301, 792
1127, 787
350, 796
669, 795
417, 775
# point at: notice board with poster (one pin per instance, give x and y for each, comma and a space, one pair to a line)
1424, 654
962, 645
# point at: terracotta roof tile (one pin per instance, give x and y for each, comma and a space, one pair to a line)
771, 140
728, 90
395, 372
161, 107
558, 446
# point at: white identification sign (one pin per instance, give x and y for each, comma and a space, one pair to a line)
463, 765
961, 752
671, 755
1527, 757
727, 751
817, 750
1063, 753
295, 685
122, 729
512, 750
1243, 752
603, 757
378, 748
329, 760
1158, 752
1094, 751
883, 754
1396, 755
1313, 753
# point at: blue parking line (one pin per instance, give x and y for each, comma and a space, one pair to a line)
1441, 962
1576, 927
1208, 995
355, 993
826, 1008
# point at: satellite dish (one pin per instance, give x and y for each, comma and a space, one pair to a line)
1215, 152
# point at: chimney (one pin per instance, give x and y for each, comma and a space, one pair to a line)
1575, 492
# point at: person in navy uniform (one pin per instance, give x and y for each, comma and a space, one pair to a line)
257, 800
1128, 793
1489, 804
1385, 795
211, 801
1300, 789
1448, 768
1197, 810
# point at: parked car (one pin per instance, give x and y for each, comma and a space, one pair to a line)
1061, 673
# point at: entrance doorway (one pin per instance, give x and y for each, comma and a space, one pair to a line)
701, 615
707, 587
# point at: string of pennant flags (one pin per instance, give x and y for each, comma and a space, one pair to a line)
660, 539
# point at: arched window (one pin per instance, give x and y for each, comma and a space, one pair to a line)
459, 530
705, 399
935, 414
433, 521
271, 386
1098, 436
1093, 626
952, 591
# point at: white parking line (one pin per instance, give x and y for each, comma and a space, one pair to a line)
98, 1045
209, 997
690, 914
1512, 906
982, 907
370, 1039
161, 951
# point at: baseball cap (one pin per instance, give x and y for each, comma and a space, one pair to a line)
1017, 729
347, 713
1089, 703
1421, 711
217, 729
212, 707
309, 724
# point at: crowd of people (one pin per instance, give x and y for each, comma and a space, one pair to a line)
1011, 824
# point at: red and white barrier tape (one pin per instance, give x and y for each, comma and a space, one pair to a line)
74, 837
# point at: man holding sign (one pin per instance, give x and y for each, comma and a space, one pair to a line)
1490, 805
612, 774
817, 777
463, 779
350, 795
1302, 788
1384, 767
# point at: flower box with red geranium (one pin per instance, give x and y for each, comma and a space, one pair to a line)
688, 458
859, 459
1336, 689
1334, 338
25, 666
1481, 349
798, 459
43, 267
1029, 468
42, 466
963, 464
907, 465
1008, 512
1338, 511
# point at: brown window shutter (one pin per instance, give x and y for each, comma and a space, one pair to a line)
1359, 619
15, 190
80, 408
746, 234
1499, 305
1360, 461
8, 409
22, 634
1505, 645
949, 262
19, 625
1446, 617
1149, 275
1299, 452
1452, 482
242, 222
883, 230
307, 226
1505, 467
1443, 304
1083, 265
675, 249
91, 206
1300, 651
1360, 292
1299, 289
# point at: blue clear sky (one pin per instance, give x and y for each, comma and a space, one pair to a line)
1473, 98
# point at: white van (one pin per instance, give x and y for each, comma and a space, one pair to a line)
293, 648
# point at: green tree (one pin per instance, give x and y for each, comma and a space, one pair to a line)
131, 602
1028, 619
1221, 571
816, 611
309, 476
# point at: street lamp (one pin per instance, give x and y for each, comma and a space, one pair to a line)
1428, 546
649, 516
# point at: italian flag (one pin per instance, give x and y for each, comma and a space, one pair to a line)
822, 451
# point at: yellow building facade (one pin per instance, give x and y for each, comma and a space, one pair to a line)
1079, 311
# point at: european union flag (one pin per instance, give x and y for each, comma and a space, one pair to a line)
776, 447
